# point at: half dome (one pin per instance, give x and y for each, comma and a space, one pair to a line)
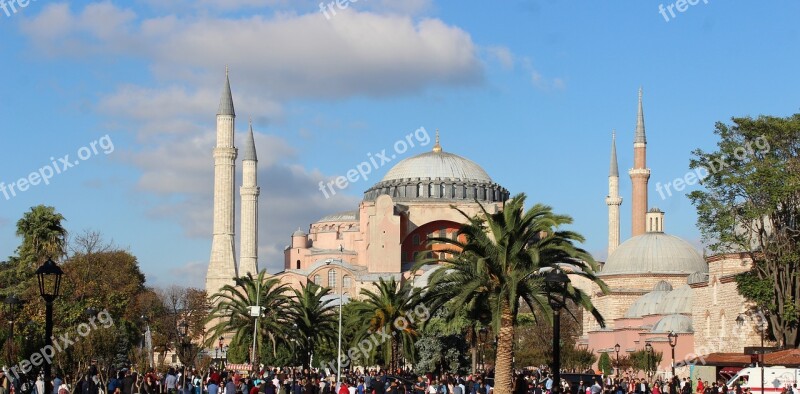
647, 304
654, 253
676, 323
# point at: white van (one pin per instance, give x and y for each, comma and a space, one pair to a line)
775, 379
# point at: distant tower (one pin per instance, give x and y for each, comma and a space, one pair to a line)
640, 174
613, 200
222, 265
248, 260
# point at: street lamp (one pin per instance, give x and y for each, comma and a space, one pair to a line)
339, 351
649, 349
482, 334
11, 302
616, 349
183, 333
49, 277
761, 332
673, 340
255, 313
556, 281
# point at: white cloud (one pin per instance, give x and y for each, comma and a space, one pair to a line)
287, 56
502, 55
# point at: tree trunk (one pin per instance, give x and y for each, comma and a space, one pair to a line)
474, 354
505, 342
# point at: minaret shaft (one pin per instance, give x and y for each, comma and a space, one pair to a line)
613, 200
640, 175
222, 262
248, 260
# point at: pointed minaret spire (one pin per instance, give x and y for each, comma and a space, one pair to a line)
640, 175
640, 136
249, 150
226, 100
613, 200
614, 170
437, 147
249, 192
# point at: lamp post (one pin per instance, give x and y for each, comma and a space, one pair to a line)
11, 303
673, 341
556, 281
49, 277
482, 334
183, 333
339, 349
255, 313
649, 349
616, 349
762, 328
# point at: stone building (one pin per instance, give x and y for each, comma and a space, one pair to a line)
660, 284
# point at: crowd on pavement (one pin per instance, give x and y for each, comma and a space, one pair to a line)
357, 381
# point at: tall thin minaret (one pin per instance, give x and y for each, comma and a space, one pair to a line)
613, 200
222, 265
248, 260
640, 174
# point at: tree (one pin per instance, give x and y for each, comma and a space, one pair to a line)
313, 319
751, 204
604, 364
232, 313
386, 311
502, 261
641, 360
42, 235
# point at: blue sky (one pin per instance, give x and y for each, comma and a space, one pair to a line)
530, 90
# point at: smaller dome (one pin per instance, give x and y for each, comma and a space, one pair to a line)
697, 277
677, 323
299, 233
676, 301
662, 285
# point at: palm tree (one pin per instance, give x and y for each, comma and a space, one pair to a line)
42, 234
501, 262
312, 318
231, 313
387, 311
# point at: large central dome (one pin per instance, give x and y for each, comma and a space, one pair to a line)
437, 175
437, 164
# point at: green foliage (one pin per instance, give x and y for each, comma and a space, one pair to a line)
387, 310
42, 235
641, 360
751, 204
313, 319
604, 364
499, 267
231, 314
441, 354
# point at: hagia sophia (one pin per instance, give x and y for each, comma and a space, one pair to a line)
659, 283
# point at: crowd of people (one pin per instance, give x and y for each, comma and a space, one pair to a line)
357, 381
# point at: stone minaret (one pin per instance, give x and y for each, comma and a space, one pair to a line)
248, 260
222, 265
613, 200
640, 174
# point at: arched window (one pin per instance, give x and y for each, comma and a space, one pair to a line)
317, 279
347, 282
332, 279
714, 291
298, 264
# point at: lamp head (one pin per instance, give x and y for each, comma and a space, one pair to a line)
49, 276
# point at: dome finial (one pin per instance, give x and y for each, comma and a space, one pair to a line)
437, 147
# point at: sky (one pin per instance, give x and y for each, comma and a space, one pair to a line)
111, 105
